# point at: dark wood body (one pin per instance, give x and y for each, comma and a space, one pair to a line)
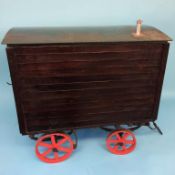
65, 86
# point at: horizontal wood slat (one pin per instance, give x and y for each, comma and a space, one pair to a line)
74, 110
83, 66
86, 48
84, 100
88, 57
90, 92
49, 80
93, 85
97, 119
113, 70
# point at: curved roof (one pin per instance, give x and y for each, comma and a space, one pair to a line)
53, 35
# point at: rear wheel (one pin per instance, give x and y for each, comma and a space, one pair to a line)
121, 142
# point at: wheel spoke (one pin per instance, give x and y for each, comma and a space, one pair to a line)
56, 155
130, 142
125, 136
53, 140
45, 153
124, 147
113, 141
118, 137
63, 149
44, 144
60, 142
116, 147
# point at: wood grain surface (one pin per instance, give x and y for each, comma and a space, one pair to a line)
65, 86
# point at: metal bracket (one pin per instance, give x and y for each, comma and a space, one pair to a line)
118, 127
133, 127
155, 127
9, 83
158, 129
76, 139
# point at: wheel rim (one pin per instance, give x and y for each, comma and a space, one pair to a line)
55, 150
121, 142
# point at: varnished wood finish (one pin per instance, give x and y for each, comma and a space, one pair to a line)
63, 86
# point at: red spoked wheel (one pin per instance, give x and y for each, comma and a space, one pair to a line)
121, 142
53, 148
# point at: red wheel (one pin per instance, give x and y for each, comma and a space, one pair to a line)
53, 148
121, 142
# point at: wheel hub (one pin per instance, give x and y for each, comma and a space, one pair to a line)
120, 144
55, 150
